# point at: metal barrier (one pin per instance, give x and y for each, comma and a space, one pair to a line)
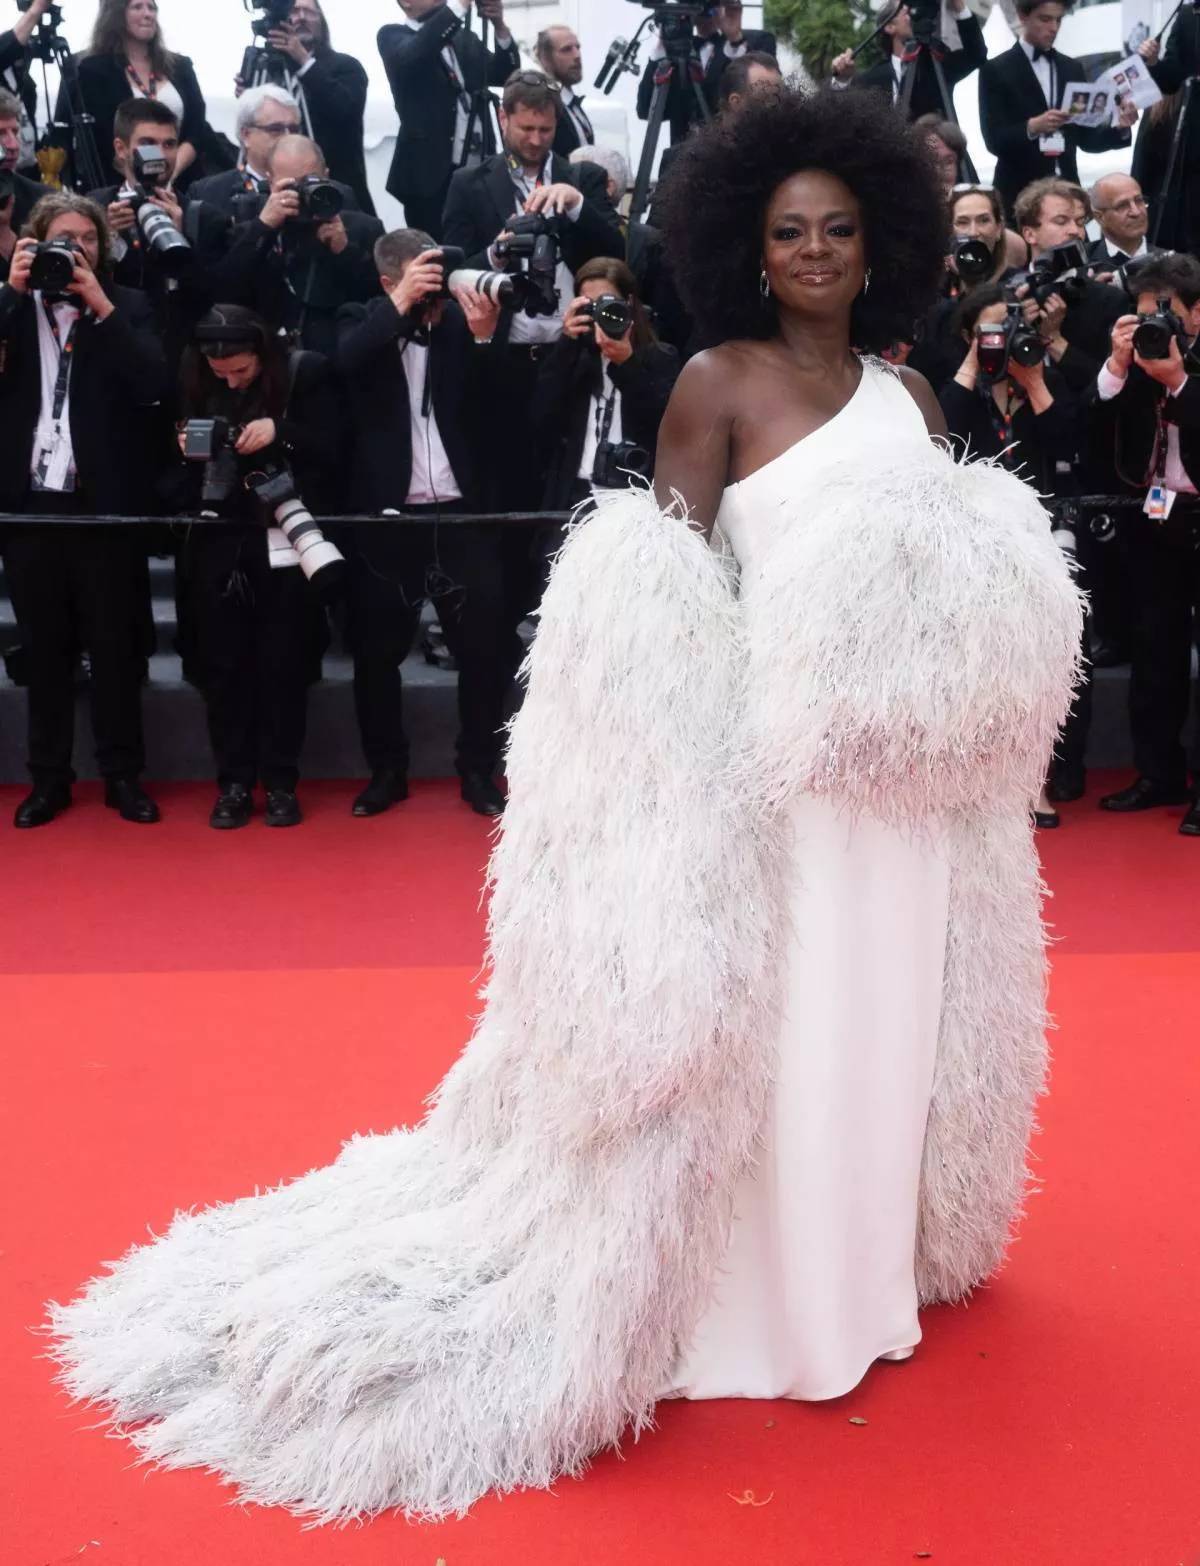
498, 518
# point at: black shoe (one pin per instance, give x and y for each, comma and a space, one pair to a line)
42, 805
482, 794
386, 788
1108, 655
1190, 825
1145, 794
234, 807
131, 799
1066, 784
1046, 820
283, 808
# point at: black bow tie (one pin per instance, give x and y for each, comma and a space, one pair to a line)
1042, 54
1120, 257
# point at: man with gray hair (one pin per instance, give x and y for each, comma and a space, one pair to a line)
1120, 209
264, 116
612, 162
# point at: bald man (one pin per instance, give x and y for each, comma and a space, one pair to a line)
1121, 211
559, 55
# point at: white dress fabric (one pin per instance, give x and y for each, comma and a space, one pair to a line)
819, 1278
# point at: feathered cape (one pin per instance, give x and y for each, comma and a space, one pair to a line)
487, 1300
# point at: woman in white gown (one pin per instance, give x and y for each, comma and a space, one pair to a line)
764, 1021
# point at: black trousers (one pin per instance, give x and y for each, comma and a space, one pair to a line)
1164, 560
461, 568
252, 635
425, 212
74, 589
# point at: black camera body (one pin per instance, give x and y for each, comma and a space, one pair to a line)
1008, 341
535, 243
613, 315
149, 169
211, 441
926, 17
320, 199
615, 460
973, 260
1063, 271
275, 16
53, 268
1154, 334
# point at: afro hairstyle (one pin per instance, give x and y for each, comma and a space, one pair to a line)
713, 203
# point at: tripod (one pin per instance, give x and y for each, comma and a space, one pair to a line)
483, 128
51, 48
933, 49
679, 62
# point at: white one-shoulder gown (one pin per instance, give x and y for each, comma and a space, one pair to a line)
818, 1279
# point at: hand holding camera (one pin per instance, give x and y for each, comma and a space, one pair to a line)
1121, 356
422, 280
282, 206
288, 41
481, 310
121, 217
554, 200
255, 436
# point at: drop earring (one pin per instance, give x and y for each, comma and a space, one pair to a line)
867, 281
764, 285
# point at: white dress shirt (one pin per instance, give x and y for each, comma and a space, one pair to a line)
1113, 251
1043, 69
432, 478
1175, 475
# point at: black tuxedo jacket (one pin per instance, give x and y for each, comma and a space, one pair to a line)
118, 372
563, 399
371, 339
426, 99
482, 199
1124, 428
566, 135
1009, 96
335, 94
681, 101
256, 273
956, 66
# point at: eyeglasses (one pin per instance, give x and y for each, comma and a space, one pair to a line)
1130, 204
275, 128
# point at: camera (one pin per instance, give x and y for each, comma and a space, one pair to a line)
162, 239
275, 15
1007, 340
259, 62
611, 314
53, 267
1154, 334
535, 242
47, 42
973, 260
615, 460
926, 16
320, 199
323, 563
1063, 271
211, 441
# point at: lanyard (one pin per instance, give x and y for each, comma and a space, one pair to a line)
1002, 418
521, 180
65, 352
605, 409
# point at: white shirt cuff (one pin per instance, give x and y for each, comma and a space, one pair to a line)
307, 66
1174, 391
573, 212
1109, 385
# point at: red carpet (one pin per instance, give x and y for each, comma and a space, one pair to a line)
187, 1014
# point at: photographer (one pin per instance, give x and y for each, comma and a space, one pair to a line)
18, 195
1020, 93
558, 53
439, 73
128, 58
978, 256
78, 363
719, 38
305, 255
255, 617
1147, 407
410, 363
571, 201
905, 56
330, 90
603, 390
264, 116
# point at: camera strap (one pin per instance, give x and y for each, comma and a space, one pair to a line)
606, 408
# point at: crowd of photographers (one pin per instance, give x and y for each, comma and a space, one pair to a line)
221, 332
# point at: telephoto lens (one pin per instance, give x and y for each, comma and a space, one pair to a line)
163, 240
501, 287
53, 266
322, 562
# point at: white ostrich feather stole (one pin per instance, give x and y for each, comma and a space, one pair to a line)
487, 1300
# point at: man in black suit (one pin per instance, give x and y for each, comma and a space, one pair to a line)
1120, 209
264, 116
76, 370
331, 91
298, 272
409, 361
438, 71
905, 60
1149, 413
1177, 225
1020, 113
527, 177
719, 38
559, 55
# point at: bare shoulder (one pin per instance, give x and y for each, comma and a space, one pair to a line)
923, 394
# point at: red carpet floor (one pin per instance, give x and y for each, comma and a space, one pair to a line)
186, 1015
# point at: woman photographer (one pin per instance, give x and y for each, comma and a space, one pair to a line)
1023, 416
602, 392
128, 59
255, 620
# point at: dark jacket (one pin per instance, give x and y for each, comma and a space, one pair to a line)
682, 111
104, 87
956, 66
1124, 428
1009, 96
1040, 440
1175, 217
426, 99
563, 399
335, 94
567, 136
371, 341
481, 199
26, 195
118, 371
15, 57
302, 288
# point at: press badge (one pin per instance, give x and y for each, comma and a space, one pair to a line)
53, 469
1159, 502
1054, 145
